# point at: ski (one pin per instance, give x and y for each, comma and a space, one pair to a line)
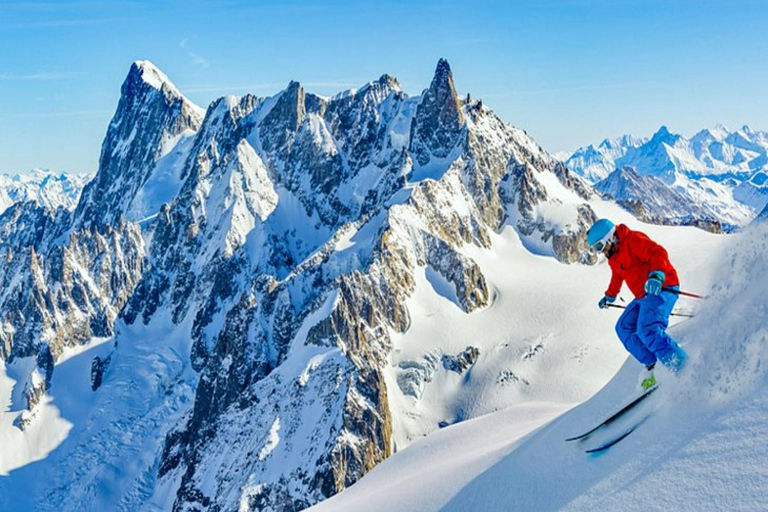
615, 441
615, 416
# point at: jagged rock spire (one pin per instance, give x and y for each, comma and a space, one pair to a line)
439, 120
284, 118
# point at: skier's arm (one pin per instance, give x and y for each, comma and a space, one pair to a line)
615, 286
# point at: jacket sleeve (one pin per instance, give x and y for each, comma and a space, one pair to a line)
650, 251
615, 286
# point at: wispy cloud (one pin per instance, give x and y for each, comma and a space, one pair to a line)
195, 58
35, 77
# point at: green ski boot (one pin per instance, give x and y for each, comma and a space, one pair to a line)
648, 380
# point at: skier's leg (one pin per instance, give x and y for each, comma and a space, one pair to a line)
652, 323
626, 329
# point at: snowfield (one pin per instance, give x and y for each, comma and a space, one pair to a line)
542, 339
701, 444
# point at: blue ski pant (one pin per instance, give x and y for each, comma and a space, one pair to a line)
642, 328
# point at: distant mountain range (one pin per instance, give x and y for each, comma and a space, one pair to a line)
716, 170
47, 189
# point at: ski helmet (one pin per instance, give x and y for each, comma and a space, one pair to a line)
600, 233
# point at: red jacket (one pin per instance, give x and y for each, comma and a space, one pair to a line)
635, 257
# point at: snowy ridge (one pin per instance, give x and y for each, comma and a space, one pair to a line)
595, 163
152, 118
651, 200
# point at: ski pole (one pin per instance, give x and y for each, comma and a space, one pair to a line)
625, 307
687, 294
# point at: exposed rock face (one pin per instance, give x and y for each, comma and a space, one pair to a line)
286, 256
462, 361
98, 367
61, 289
34, 391
438, 122
150, 117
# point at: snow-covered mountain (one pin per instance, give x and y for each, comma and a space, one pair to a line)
217, 320
719, 169
649, 199
595, 163
45, 188
699, 444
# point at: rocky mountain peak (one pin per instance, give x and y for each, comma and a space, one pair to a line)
291, 104
663, 135
285, 117
151, 115
145, 74
388, 81
439, 120
443, 92
443, 72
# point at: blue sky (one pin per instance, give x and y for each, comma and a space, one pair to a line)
570, 72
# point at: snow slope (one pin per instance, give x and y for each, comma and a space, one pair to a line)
146, 386
703, 446
542, 339
538, 325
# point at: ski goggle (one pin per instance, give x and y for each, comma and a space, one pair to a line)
598, 246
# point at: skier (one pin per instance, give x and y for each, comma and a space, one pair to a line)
644, 265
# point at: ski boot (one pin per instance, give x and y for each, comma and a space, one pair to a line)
647, 379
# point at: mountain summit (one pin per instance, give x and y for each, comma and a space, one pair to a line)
439, 118
151, 117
